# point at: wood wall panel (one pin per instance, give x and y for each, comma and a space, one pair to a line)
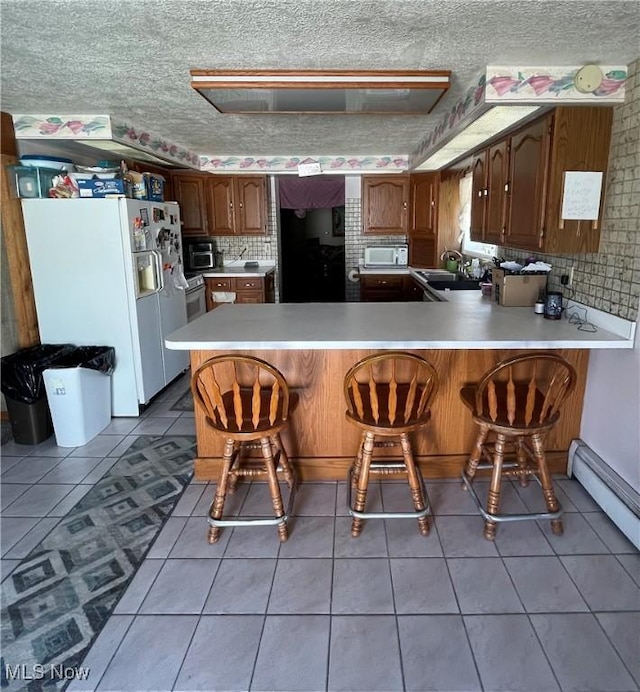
16, 244
448, 211
322, 442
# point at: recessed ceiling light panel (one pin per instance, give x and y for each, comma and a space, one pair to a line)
390, 92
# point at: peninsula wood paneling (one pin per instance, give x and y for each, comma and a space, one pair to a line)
322, 442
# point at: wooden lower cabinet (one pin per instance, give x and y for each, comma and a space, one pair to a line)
322, 444
247, 290
389, 288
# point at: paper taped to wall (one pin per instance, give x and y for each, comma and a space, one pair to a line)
581, 195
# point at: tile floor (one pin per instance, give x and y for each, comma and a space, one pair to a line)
388, 611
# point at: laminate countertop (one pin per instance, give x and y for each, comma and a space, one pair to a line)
238, 272
465, 320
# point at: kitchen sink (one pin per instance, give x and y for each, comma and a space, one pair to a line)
440, 279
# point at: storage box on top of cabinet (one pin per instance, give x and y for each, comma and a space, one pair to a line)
31, 181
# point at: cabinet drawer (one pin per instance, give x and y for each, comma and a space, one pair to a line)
386, 283
219, 284
249, 297
248, 284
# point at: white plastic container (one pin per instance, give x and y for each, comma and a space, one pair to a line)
80, 403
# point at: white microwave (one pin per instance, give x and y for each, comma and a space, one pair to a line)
385, 256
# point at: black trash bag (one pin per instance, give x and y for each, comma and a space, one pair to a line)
100, 358
21, 378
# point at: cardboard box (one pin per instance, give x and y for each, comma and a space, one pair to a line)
517, 290
101, 187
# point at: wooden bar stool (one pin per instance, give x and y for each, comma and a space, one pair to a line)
388, 397
517, 402
246, 401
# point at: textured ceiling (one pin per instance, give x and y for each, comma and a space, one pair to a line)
131, 59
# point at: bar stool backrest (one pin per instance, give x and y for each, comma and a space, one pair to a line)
526, 391
240, 393
391, 390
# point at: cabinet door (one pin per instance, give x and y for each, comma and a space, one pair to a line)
424, 204
220, 201
478, 196
189, 192
385, 201
381, 288
528, 161
495, 211
250, 205
411, 289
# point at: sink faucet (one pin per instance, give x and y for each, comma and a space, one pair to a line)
453, 254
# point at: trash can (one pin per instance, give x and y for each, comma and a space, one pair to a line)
22, 384
78, 387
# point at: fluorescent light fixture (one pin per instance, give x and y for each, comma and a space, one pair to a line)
390, 92
491, 123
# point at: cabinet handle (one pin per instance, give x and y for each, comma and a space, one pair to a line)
485, 192
506, 187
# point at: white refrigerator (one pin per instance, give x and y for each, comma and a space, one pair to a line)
108, 272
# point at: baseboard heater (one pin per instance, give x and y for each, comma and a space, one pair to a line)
614, 495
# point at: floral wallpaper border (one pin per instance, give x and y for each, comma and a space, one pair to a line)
552, 85
101, 127
290, 164
62, 126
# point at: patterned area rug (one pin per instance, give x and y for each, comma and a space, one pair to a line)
184, 403
58, 599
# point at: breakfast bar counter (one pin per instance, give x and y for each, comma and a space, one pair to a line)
314, 345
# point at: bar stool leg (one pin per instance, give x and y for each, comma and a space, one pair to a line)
233, 478
363, 482
215, 512
476, 454
414, 483
274, 488
493, 499
357, 464
521, 457
547, 484
284, 459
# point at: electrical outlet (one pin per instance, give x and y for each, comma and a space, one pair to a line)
570, 284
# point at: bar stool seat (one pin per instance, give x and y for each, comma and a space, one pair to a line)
514, 406
247, 402
388, 397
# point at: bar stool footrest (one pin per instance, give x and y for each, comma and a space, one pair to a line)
499, 518
387, 515
262, 521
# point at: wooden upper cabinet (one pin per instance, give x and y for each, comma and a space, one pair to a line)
220, 205
580, 142
528, 163
424, 204
495, 209
237, 205
251, 205
189, 192
385, 204
478, 196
